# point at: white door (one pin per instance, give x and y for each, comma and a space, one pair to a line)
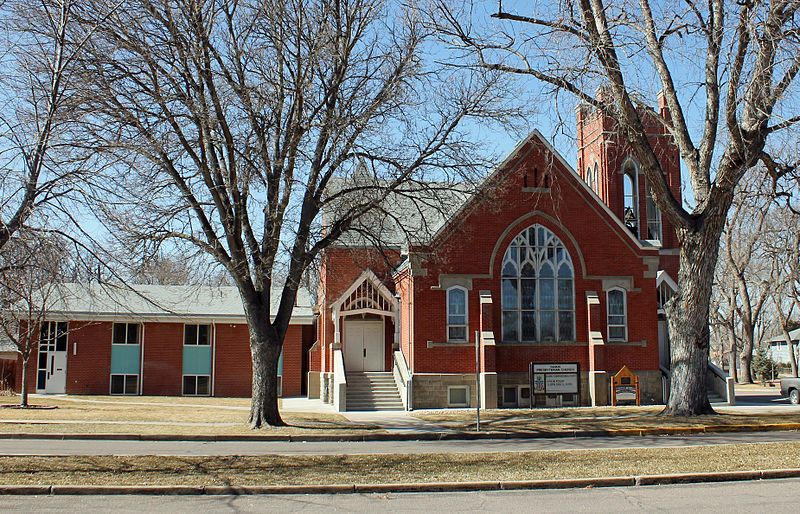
373, 347
57, 373
363, 346
52, 358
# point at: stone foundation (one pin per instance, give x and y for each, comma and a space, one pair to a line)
430, 390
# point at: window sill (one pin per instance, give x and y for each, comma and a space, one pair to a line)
628, 343
454, 344
548, 343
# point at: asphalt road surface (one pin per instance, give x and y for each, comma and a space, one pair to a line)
758, 496
184, 448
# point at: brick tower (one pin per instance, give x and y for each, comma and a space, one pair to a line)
606, 163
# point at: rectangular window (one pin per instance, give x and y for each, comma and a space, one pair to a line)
458, 396
126, 333
196, 335
196, 385
125, 384
510, 396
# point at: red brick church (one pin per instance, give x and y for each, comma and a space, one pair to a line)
560, 275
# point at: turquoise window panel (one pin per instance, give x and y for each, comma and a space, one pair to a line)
197, 360
125, 359
280, 364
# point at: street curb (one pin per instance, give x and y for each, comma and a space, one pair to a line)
413, 436
432, 487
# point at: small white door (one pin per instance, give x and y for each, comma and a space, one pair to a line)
363, 346
57, 373
51, 377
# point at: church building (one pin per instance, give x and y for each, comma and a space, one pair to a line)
547, 280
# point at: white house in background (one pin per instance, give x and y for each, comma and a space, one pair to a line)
779, 349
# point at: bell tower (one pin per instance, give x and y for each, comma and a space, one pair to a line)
606, 164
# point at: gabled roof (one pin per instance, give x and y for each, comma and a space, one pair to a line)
425, 211
96, 302
410, 215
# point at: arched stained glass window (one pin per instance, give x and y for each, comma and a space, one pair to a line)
538, 289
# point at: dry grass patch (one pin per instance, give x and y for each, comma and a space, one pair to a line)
365, 469
602, 418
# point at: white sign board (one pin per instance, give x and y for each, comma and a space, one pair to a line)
555, 368
561, 383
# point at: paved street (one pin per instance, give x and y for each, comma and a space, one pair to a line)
760, 496
80, 447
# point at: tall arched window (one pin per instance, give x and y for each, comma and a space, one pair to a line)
595, 180
589, 177
538, 293
630, 185
457, 314
653, 217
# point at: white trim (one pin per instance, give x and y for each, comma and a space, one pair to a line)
376, 283
450, 388
466, 314
663, 276
213, 357
141, 359
624, 313
156, 318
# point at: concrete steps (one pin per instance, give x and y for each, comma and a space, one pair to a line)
372, 391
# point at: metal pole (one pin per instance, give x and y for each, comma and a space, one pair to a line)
478, 381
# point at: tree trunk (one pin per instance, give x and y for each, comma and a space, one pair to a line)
792, 356
265, 348
23, 394
732, 356
747, 358
688, 316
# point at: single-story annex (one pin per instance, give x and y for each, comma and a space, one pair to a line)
156, 340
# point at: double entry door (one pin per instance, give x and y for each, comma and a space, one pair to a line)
363, 345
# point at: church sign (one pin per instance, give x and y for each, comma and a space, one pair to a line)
554, 378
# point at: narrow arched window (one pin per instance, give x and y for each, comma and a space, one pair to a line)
589, 177
617, 315
457, 314
653, 217
630, 187
595, 180
537, 289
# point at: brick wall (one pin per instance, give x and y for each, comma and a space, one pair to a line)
163, 359
89, 370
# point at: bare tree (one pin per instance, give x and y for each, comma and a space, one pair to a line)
38, 164
783, 248
31, 273
230, 122
749, 271
739, 59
